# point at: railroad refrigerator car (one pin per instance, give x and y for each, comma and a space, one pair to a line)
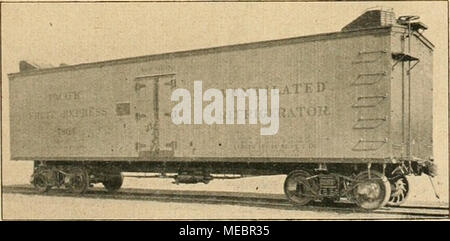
355, 115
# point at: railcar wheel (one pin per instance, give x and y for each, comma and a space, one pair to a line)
113, 183
399, 190
299, 189
41, 180
371, 193
77, 180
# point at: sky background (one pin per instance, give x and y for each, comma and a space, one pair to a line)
80, 33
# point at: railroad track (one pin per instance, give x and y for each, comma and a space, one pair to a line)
275, 201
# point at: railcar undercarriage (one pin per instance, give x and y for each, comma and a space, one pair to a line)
370, 186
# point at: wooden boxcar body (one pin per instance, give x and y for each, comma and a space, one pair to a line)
359, 96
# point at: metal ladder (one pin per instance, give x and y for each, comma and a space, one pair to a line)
405, 57
368, 102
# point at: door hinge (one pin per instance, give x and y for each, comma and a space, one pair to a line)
138, 86
172, 83
139, 145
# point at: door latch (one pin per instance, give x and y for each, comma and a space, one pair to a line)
140, 116
172, 145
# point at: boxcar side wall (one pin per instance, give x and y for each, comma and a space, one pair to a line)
69, 114
334, 104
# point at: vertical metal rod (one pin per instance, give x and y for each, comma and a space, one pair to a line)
409, 92
434, 188
403, 96
156, 114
